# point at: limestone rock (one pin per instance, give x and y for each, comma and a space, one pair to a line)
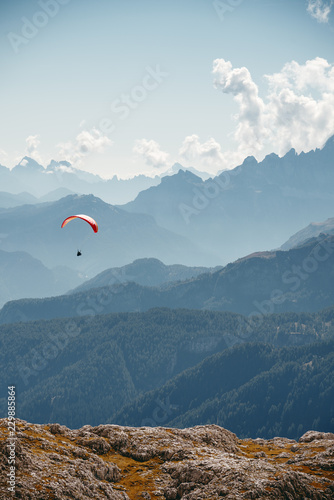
127, 463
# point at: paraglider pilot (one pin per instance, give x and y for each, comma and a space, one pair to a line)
88, 219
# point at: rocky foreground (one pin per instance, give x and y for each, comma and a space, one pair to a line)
203, 462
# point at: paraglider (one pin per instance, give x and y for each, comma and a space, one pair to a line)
86, 218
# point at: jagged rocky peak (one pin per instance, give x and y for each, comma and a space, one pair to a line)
28, 164
114, 462
250, 160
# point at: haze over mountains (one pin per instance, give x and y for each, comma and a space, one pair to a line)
256, 206
29, 176
300, 279
30, 182
24, 276
183, 220
147, 272
313, 230
173, 315
184, 318
122, 237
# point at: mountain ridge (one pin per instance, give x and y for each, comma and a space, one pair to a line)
29, 175
299, 279
313, 230
248, 208
23, 275
122, 237
111, 360
146, 271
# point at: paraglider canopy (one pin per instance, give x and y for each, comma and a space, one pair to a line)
86, 218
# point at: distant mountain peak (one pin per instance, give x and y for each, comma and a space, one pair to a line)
29, 164
250, 160
313, 230
271, 156
89, 197
177, 167
181, 175
291, 153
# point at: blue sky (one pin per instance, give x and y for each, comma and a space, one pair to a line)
125, 87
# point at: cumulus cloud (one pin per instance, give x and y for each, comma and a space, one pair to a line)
68, 169
192, 148
87, 142
239, 83
208, 154
298, 110
32, 143
151, 152
320, 9
316, 74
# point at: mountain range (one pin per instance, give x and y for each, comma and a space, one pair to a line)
34, 229
313, 230
24, 276
174, 367
182, 219
270, 396
184, 309
30, 182
122, 237
146, 272
256, 206
28, 176
300, 279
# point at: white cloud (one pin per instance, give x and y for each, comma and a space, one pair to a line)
3, 157
32, 143
151, 152
239, 83
298, 110
192, 148
316, 74
64, 168
87, 142
320, 9
207, 155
